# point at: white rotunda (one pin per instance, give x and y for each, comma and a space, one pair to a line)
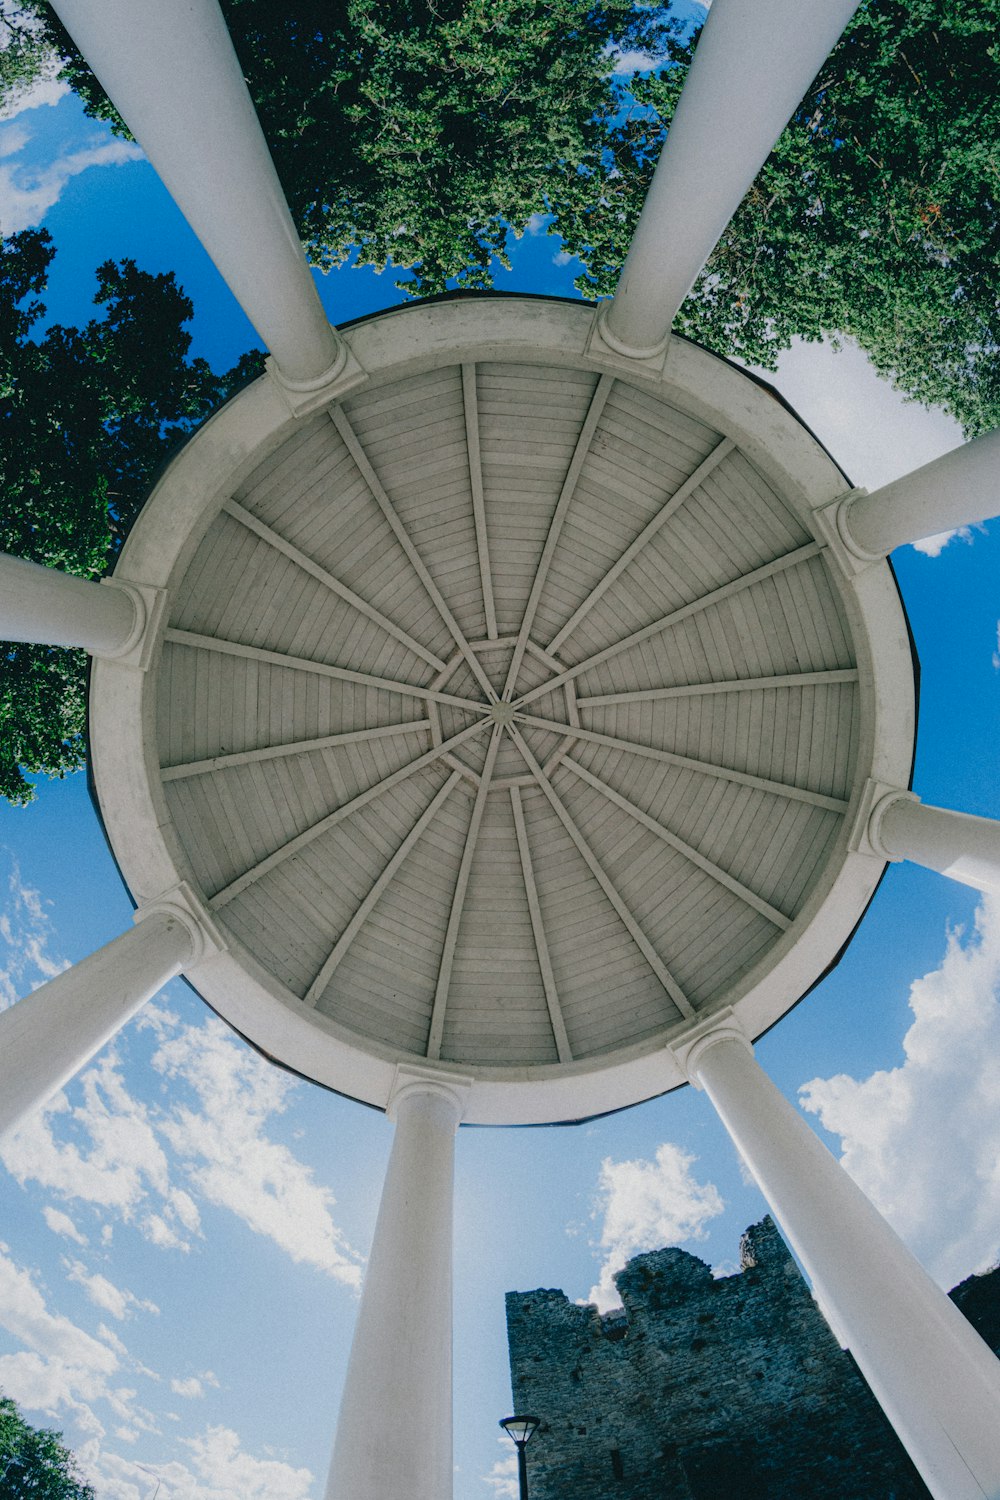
503, 711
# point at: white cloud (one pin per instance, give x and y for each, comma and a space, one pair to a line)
61, 1223
190, 1389
502, 1477
996, 653
634, 62
25, 936
647, 1205
933, 546
27, 192
46, 90
230, 1159
923, 1138
103, 1293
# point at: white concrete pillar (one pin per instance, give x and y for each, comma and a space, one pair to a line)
958, 489
935, 1378
52, 1033
51, 608
752, 66
394, 1434
957, 844
171, 71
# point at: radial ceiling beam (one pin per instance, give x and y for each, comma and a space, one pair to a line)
295, 747
731, 685
559, 1035
751, 67
172, 74
705, 601
681, 845
670, 506
364, 911
436, 1032
688, 763
597, 404
605, 882
324, 825
322, 575
470, 401
378, 492
320, 668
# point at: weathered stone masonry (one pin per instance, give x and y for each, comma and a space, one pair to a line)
707, 1389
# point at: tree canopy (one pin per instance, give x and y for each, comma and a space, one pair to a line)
877, 215
418, 132
35, 1462
86, 415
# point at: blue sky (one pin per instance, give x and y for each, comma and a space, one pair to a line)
184, 1229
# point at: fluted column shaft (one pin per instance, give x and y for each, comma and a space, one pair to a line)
171, 71
52, 1033
50, 608
394, 1434
752, 65
958, 489
957, 844
935, 1378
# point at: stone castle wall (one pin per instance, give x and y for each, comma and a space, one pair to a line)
707, 1389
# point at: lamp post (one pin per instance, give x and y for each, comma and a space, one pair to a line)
521, 1430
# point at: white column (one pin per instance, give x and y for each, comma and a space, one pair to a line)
394, 1434
171, 71
957, 844
752, 66
51, 608
52, 1033
935, 1378
958, 489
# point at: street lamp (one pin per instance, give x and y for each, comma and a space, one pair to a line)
522, 1430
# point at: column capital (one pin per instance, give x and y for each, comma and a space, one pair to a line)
412, 1079
724, 1026
183, 906
302, 397
833, 525
149, 605
876, 800
602, 342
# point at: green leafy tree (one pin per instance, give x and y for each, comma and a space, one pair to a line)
25, 55
86, 415
876, 217
418, 133
35, 1463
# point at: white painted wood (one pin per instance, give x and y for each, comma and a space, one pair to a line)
458, 902
563, 1048
175, 79
936, 1379
478, 501
653, 959
708, 768
959, 845
737, 685
737, 99
285, 851
709, 866
631, 552
296, 747
367, 471
323, 669
593, 417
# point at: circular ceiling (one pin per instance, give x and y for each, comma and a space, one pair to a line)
509, 716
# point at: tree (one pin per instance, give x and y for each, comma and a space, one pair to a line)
419, 131
877, 215
86, 415
25, 56
34, 1462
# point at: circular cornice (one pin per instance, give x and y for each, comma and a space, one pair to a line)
508, 716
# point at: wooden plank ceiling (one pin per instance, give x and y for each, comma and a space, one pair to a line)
507, 715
